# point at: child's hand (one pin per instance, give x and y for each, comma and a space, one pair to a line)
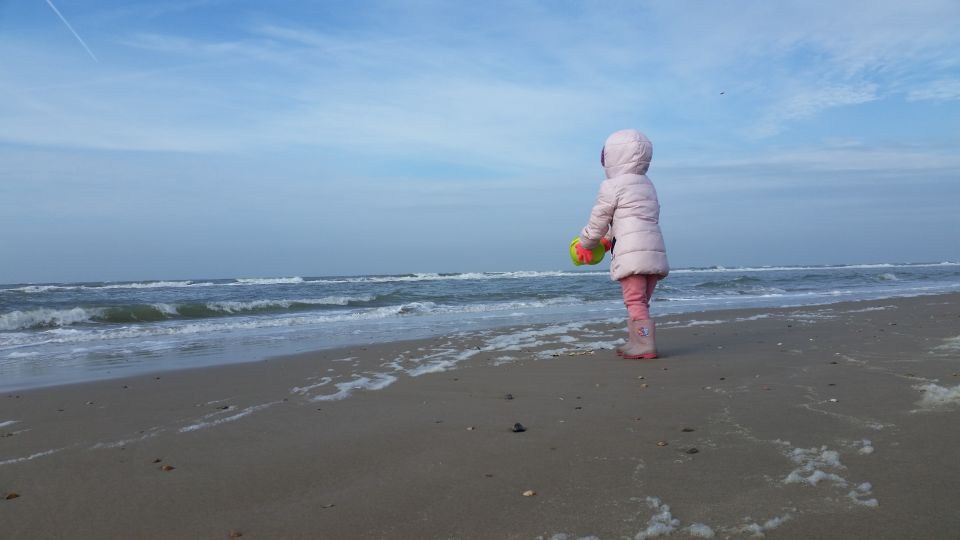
607, 245
584, 255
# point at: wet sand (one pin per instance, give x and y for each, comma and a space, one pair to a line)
832, 421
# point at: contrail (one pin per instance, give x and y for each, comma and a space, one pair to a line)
80, 39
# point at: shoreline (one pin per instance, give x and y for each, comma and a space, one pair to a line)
130, 373
781, 405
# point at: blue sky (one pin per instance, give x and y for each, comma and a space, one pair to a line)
210, 138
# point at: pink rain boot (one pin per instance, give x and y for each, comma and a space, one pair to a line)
619, 350
642, 344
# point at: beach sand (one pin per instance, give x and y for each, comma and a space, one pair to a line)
836, 421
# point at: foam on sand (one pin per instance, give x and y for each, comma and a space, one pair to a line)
209, 420
30, 457
662, 523
865, 447
757, 530
938, 397
863, 490
950, 344
375, 382
700, 530
811, 461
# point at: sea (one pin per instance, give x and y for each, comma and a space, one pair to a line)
56, 333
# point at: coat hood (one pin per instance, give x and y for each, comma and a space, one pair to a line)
626, 152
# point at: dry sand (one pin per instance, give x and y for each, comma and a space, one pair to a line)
835, 421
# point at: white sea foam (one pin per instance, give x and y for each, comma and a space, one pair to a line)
269, 281
237, 306
374, 382
467, 276
6, 423
949, 344
206, 422
152, 432
661, 524
166, 309
304, 389
811, 461
859, 493
30, 457
936, 396
528, 338
721, 269
146, 285
758, 530
865, 447
18, 355
443, 364
869, 309
700, 530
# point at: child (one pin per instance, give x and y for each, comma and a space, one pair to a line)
627, 211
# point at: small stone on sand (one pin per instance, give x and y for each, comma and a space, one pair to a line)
693, 451
167, 468
687, 429
518, 428
234, 534
662, 443
508, 397
529, 493
10, 496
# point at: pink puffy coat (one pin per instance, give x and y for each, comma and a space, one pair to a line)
627, 208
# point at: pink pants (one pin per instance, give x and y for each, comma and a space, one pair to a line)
637, 290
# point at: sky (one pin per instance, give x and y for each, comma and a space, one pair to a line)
215, 138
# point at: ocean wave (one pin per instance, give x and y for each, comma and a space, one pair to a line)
35, 289
737, 283
268, 281
73, 334
45, 318
144, 313
466, 276
723, 269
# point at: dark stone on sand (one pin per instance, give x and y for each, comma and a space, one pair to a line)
578, 408
687, 429
692, 451
10, 496
508, 397
518, 428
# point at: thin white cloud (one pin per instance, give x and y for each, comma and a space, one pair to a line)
940, 90
806, 103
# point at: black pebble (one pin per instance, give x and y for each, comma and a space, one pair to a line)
508, 397
692, 451
518, 428
687, 429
